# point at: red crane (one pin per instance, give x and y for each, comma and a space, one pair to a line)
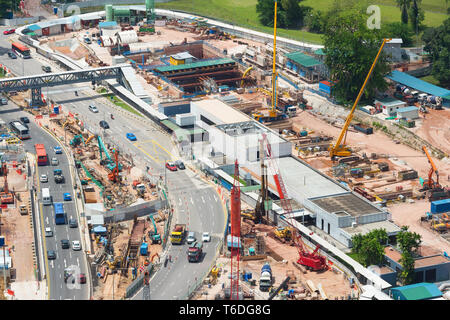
235, 233
6, 196
312, 260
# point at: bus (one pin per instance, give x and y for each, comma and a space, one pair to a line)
41, 154
20, 130
21, 50
60, 215
46, 197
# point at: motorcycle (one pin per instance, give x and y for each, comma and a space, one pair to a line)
76, 93
112, 116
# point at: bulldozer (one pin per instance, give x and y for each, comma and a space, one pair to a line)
283, 234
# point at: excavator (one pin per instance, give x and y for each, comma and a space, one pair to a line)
341, 150
434, 190
283, 234
114, 174
154, 235
6, 196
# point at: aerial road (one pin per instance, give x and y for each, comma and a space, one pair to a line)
196, 203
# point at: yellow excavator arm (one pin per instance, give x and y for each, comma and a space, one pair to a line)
342, 150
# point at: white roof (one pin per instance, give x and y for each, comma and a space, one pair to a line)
221, 111
395, 40
182, 56
108, 41
129, 36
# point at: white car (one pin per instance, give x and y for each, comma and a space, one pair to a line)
55, 161
43, 178
206, 237
48, 232
93, 108
76, 245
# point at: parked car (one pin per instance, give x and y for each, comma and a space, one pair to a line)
9, 31
131, 136
206, 237
46, 69
104, 124
51, 255
48, 232
65, 244
43, 178
171, 166
57, 149
93, 108
67, 196
73, 223
55, 161
180, 165
3, 101
12, 55
76, 245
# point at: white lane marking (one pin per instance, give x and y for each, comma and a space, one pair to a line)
60, 276
51, 263
203, 199
46, 219
215, 198
61, 286
192, 201
65, 263
78, 262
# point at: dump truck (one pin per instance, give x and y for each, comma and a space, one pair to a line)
178, 233
195, 251
265, 280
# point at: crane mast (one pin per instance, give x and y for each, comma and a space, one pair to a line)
343, 151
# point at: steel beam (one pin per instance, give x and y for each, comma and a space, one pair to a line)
62, 78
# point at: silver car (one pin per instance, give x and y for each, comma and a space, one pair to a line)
55, 161
43, 178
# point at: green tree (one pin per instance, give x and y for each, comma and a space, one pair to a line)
399, 30
350, 49
437, 43
409, 243
315, 21
416, 15
7, 5
289, 13
404, 6
369, 247
265, 10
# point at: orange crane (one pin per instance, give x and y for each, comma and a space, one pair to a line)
339, 150
430, 183
6, 196
114, 174
312, 260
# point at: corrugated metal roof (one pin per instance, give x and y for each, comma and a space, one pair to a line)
169, 124
418, 291
418, 84
303, 59
406, 109
182, 55
389, 101
107, 24
195, 65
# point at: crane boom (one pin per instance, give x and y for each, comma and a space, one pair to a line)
433, 169
337, 149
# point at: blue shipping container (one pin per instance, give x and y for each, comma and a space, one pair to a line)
324, 87
440, 206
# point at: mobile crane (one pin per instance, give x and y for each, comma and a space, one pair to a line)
341, 150
434, 190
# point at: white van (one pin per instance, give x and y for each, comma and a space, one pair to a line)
46, 197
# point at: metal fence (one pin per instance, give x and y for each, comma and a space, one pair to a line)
138, 283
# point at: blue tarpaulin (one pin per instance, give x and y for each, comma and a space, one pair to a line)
99, 229
418, 84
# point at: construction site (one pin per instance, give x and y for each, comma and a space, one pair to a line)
289, 163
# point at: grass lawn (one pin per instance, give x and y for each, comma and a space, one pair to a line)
354, 256
431, 80
120, 103
243, 13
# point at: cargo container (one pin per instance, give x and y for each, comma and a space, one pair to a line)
363, 128
383, 166
440, 206
325, 87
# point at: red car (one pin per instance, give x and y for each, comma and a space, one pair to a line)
82, 278
171, 166
9, 31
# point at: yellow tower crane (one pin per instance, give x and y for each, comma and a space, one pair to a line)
342, 150
273, 114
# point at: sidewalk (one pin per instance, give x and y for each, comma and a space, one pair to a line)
29, 290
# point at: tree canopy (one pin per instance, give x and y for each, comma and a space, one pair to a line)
350, 49
437, 43
369, 247
409, 243
289, 13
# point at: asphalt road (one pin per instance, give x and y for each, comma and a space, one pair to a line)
64, 257
196, 202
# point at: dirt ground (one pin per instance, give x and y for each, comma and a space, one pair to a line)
436, 129
408, 214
